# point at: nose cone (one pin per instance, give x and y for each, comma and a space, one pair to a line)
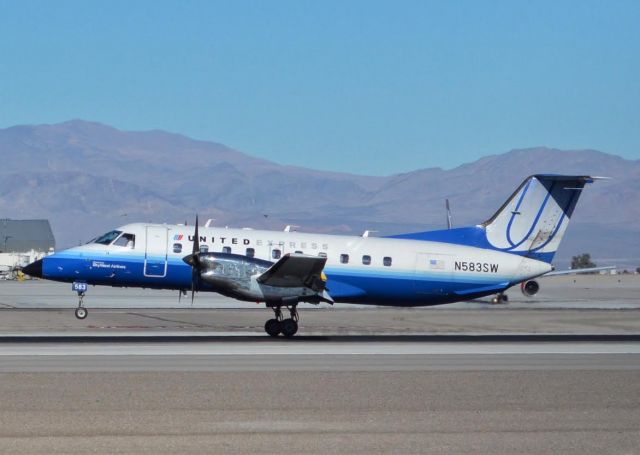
189, 260
34, 269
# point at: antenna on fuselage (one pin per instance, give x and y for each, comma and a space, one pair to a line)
365, 234
289, 226
449, 224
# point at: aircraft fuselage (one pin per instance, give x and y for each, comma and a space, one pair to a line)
368, 270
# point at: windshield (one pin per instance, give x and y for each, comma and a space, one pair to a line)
107, 238
128, 240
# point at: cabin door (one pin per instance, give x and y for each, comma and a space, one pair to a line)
155, 252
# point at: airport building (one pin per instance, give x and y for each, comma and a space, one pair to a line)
22, 242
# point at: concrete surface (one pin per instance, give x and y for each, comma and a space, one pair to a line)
556, 374
343, 410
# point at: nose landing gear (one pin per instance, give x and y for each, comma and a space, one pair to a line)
278, 325
81, 312
81, 288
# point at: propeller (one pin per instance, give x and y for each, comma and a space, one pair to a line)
194, 260
195, 268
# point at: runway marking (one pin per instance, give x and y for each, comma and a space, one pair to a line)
98, 335
318, 348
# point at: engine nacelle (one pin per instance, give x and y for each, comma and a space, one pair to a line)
236, 276
529, 288
231, 274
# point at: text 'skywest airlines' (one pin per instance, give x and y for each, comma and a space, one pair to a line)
284, 268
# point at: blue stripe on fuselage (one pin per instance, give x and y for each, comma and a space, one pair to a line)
345, 284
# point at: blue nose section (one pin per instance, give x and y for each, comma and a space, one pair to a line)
34, 269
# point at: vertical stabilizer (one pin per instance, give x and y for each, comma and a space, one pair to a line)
534, 219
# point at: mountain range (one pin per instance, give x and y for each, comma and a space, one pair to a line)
86, 178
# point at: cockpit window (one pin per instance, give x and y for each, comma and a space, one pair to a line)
107, 238
126, 240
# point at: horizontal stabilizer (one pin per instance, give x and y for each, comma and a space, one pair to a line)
579, 271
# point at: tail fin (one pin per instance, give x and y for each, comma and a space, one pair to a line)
534, 219
531, 223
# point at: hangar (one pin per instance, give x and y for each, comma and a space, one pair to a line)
22, 242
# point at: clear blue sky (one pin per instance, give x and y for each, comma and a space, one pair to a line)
361, 86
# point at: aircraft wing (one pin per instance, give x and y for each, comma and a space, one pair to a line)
578, 271
296, 270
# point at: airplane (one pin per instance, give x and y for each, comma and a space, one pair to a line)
284, 268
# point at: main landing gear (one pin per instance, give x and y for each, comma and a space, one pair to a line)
500, 298
278, 325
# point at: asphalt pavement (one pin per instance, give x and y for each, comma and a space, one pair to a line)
557, 374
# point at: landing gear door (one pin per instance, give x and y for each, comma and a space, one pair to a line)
155, 252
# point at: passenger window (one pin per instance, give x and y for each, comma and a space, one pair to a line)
322, 254
226, 249
250, 252
275, 254
204, 248
386, 261
177, 247
299, 252
344, 259
366, 259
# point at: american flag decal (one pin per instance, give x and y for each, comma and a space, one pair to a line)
436, 264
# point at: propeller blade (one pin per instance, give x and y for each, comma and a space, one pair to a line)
195, 260
193, 288
196, 239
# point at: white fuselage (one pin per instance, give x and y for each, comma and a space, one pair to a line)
359, 269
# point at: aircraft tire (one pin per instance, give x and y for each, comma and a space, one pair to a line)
273, 327
289, 327
81, 313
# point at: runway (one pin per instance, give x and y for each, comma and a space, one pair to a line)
473, 378
496, 403
339, 353
224, 393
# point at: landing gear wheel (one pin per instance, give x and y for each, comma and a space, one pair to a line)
289, 328
81, 313
500, 298
273, 327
